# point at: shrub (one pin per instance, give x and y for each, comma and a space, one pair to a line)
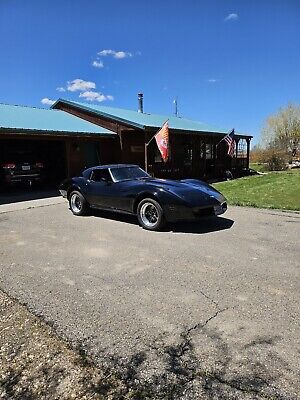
272, 159
276, 161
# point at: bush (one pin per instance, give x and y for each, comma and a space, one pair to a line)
270, 159
276, 161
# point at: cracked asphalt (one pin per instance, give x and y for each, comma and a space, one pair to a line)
207, 310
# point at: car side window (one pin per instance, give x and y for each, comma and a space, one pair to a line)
99, 175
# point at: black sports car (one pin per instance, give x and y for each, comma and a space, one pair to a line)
129, 189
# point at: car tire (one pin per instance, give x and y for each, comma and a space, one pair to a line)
150, 215
78, 204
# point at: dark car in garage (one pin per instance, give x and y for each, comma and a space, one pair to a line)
21, 166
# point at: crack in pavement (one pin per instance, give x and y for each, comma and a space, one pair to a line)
184, 346
209, 298
177, 352
199, 325
256, 392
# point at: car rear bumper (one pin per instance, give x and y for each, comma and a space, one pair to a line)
11, 179
175, 213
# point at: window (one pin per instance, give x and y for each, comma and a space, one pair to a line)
209, 151
242, 148
188, 154
99, 175
202, 149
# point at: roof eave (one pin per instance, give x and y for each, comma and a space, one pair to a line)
99, 113
60, 133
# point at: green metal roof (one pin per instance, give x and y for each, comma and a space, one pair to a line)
40, 119
144, 120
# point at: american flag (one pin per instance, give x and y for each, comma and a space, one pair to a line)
229, 139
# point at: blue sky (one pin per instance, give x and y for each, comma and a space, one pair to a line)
231, 63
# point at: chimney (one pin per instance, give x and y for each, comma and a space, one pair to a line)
140, 100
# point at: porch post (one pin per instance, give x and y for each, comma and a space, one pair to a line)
248, 151
236, 147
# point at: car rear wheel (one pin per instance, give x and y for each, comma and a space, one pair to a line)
78, 204
150, 215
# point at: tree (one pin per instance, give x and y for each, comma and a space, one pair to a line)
282, 131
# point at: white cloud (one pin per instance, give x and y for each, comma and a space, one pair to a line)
114, 53
231, 17
79, 85
97, 64
47, 101
60, 89
95, 96
122, 54
212, 80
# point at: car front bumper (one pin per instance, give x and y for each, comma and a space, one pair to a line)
63, 193
175, 213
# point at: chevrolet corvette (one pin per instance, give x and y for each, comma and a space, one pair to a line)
128, 189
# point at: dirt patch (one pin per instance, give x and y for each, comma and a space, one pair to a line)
36, 364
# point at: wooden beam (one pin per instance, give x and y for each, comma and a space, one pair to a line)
104, 122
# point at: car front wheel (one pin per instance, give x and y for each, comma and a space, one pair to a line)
78, 204
150, 215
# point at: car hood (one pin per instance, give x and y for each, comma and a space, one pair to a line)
190, 190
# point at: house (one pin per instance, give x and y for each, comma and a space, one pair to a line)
72, 136
195, 147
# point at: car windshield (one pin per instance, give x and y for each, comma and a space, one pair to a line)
127, 173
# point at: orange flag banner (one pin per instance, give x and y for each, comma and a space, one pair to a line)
162, 141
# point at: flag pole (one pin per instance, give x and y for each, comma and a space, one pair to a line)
146, 150
220, 141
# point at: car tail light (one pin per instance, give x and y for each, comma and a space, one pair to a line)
39, 164
9, 166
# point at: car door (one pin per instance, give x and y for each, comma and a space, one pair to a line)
99, 188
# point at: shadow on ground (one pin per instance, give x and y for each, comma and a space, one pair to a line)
16, 195
182, 371
204, 225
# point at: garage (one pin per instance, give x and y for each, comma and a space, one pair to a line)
41, 147
37, 161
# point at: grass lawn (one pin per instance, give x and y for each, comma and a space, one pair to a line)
274, 190
258, 167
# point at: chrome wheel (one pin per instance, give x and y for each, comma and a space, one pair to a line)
76, 203
149, 214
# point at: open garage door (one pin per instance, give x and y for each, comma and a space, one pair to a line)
33, 161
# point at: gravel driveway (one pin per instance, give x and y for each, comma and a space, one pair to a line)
207, 310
